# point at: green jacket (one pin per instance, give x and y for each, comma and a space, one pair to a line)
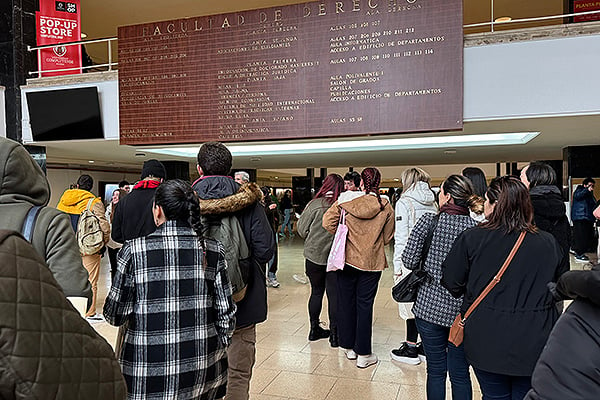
24, 185
317, 243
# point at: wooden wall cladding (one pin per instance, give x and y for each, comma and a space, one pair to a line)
319, 69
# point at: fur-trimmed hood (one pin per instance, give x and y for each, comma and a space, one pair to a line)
231, 201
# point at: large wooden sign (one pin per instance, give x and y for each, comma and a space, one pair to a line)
328, 68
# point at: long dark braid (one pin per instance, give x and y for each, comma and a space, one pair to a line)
179, 202
371, 179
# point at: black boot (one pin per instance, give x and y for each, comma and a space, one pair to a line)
333, 338
316, 332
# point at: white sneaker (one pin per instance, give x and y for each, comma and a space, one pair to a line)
274, 283
95, 318
350, 354
366, 361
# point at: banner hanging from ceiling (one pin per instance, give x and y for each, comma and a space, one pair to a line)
59, 22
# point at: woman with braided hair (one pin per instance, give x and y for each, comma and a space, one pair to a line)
370, 221
172, 289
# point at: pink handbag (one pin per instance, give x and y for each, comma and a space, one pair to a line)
337, 254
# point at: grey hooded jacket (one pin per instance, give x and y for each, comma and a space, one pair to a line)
24, 185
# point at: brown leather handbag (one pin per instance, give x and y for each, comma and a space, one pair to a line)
458, 326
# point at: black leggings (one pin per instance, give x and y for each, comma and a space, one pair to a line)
412, 334
321, 281
112, 257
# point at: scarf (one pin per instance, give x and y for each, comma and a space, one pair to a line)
148, 184
453, 209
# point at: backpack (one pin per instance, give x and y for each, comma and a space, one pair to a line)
90, 238
227, 230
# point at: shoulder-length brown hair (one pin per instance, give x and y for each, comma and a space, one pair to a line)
513, 211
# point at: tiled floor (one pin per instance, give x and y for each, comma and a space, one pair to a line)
288, 366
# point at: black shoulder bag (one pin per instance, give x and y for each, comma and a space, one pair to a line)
406, 290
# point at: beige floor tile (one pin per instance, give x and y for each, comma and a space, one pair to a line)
258, 396
294, 362
402, 374
320, 347
261, 378
300, 386
410, 392
283, 342
341, 367
345, 389
262, 354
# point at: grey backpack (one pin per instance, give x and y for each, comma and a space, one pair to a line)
227, 230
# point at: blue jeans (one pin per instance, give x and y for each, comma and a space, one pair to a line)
444, 358
502, 387
287, 221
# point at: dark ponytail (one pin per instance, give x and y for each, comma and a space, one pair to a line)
371, 178
179, 202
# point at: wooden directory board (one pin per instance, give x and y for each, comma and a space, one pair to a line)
318, 69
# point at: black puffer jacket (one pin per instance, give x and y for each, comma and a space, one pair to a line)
550, 215
133, 215
47, 350
222, 195
569, 366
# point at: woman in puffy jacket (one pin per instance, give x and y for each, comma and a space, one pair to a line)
370, 221
435, 308
317, 244
416, 199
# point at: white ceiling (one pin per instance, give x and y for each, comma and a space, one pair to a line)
555, 133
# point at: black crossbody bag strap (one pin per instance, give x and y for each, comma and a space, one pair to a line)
428, 239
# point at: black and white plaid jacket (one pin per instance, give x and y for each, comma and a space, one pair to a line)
180, 315
434, 303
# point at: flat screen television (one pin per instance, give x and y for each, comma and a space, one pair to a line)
65, 114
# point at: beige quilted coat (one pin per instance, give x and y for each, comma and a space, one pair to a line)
47, 351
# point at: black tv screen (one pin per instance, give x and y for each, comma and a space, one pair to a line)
65, 114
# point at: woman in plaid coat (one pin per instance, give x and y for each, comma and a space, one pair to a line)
172, 290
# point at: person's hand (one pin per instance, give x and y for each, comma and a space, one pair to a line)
590, 187
272, 206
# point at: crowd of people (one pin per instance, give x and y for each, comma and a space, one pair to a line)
191, 263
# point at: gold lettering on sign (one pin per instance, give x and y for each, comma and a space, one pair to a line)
322, 9
226, 23
355, 5
306, 11
263, 17
171, 28
373, 4
157, 30
277, 15
339, 7
145, 31
241, 20
184, 26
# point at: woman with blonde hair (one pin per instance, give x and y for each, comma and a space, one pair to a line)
435, 308
416, 199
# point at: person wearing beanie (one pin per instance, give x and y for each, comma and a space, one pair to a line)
133, 215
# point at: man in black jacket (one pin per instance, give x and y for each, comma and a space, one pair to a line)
219, 194
133, 214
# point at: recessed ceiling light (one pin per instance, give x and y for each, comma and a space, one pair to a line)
91, 161
503, 19
276, 177
396, 180
83, 35
411, 143
450, 151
